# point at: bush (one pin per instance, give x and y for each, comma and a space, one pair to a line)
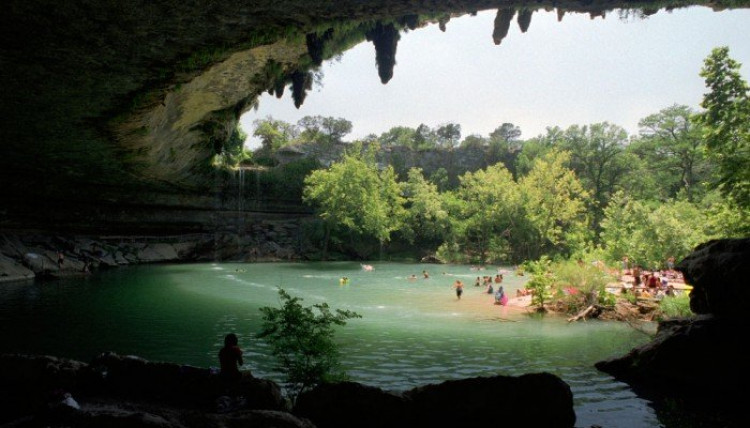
541, 281
675, 307
302, 342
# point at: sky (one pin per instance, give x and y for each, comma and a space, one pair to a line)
575, 72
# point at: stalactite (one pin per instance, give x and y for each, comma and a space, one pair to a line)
385, 38
316, 44
524, 19
502, 24
443, 21
301, 83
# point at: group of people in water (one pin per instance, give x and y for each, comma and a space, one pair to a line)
487, 282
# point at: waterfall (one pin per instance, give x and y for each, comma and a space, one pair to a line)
257, 188
240, 188
240, 226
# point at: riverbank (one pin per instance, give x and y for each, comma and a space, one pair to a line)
25, 256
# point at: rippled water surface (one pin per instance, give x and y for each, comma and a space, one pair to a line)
412, 332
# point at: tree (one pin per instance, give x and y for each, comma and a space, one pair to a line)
649, 234
234, 148
323, 130
273, 133
474, 141
536, 147
426, 217
726, 123
553, 205
541, 282
484, 209
425, 138
301, 340
398, 136
504, 145
596, 155
508, 134
354, 194
673, 148
448, 135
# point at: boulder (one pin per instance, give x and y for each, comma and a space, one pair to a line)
495, 401
719, 272
133, 377
347, 404
476, 402
11, 270
27, 382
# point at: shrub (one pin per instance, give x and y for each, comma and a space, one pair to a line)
675, 307
301, 340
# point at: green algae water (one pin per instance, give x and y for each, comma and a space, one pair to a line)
412, 331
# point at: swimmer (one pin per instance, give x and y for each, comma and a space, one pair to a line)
459, 286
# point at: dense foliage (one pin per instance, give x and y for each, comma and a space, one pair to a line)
683, 179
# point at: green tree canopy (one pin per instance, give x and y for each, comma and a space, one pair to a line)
398, 136
325, 130
448, 135
726, 122
484, 209
553, 201
273, 133
596, 155
354, 194
649, 234
672, 147
427, 218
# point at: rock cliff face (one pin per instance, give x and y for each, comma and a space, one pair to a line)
700, 361
28, 256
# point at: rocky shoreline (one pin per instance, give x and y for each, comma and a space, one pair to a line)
28, 256
128, 391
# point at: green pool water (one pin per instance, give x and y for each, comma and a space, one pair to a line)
412, 332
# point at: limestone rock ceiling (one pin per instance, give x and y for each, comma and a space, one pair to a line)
102, 98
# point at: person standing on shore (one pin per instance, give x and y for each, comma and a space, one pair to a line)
60, 259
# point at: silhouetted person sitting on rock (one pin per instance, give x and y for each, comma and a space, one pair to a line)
230, 359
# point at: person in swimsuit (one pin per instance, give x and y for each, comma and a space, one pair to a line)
459, 286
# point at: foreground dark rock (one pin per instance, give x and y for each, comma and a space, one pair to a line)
720, 274
475, 402
700, 362
128, 391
